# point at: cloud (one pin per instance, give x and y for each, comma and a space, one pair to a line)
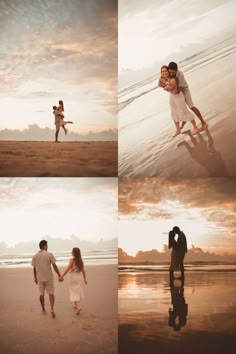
34, 132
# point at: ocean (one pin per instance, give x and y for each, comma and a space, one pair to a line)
90, 257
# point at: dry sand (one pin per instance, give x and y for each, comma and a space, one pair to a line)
24, 329
65, 159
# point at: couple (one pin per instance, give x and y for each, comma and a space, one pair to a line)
179, 248
43, 276
59, 119
173, 81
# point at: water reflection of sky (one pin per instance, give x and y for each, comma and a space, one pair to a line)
211, 300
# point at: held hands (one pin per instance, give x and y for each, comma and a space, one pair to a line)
60, 278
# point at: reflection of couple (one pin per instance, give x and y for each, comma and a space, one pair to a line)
179, 248
43, 276
173, 81
59, 119
178, 314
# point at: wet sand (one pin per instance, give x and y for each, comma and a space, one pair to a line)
205, 305
146, 144
25, 330
65, 159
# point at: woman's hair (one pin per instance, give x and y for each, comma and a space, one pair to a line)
62, 104
78, 259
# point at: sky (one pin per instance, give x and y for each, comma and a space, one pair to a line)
58, 50
203, 208
153, 33
32, 208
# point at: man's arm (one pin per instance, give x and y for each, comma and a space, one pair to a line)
56, 270
35, 276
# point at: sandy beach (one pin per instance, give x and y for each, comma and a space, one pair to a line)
146, 144
24, 329
65, 159
206, 307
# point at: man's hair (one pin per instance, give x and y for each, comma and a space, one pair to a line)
42, 244
176, 229
54, 107
173, 66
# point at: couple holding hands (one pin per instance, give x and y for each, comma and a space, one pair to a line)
43, 276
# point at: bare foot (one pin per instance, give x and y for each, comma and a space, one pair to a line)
66, 131
57, 141
195, 131
44, 312
182, 125
203, 127
177, 133
78, 311
53, 314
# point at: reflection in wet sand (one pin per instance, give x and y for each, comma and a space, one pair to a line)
204, 152
197, 316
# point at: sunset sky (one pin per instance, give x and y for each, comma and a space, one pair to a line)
31, 208
153, 33
204, 209
58, 49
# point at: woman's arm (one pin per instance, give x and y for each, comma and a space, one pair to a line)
171, 86
70, 265
84, 275
161, 82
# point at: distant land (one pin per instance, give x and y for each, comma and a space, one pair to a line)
58, 245
34, 132
194, 254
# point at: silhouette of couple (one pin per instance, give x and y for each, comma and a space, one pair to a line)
179, 248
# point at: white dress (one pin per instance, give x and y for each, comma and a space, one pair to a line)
75, 286
179, 109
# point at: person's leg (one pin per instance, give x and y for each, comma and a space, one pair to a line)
52, 300
64, 128
190, 104
77, 307
41, 286
50, 291
178, 131
198, 114
182, 269
182, 125
57, 133
195, 128
41, 299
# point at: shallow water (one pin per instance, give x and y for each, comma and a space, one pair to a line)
146, 146
198, 315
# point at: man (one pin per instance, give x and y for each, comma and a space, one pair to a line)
174, 72
57, 122
181, 249
43, 276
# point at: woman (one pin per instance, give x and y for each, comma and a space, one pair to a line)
61, 114
77, 271
179, 110
174, 262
